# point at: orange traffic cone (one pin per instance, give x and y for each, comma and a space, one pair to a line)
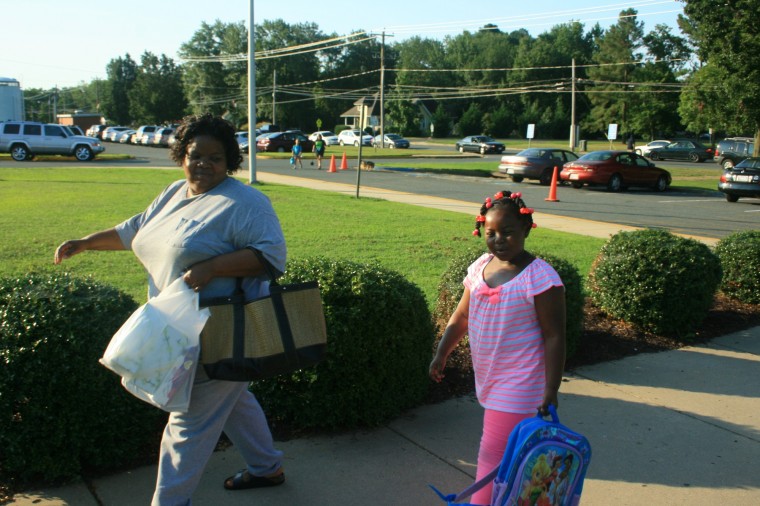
332, 164
344, 163
553, 189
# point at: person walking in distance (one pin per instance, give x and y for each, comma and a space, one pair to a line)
297, 152
319, 150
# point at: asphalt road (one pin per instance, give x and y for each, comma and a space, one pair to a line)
701, 213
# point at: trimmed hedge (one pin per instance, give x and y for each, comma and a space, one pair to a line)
60, 410
379, 338
739, 255
655, 280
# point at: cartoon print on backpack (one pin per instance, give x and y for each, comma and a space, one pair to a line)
544, 484
535, 476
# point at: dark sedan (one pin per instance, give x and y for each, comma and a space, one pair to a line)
682, 150
283, 142
616, 170
479, 144
535, 163
741, 180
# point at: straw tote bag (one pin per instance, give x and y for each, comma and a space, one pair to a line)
277, 334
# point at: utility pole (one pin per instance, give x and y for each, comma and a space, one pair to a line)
251, 100
573, 128
382, 92
55, 105
274, 98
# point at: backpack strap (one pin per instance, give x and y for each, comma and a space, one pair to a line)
485, 480
451, 499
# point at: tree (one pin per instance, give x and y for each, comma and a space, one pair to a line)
297, 74
157, 95
727, 34
121, 73
544, 68
471, 122
212, 82
651, 108
617, 59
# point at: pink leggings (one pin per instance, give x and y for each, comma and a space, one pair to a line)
497, 426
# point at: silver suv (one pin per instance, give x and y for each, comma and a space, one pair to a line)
25, 139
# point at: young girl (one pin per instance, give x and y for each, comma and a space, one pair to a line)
513, 309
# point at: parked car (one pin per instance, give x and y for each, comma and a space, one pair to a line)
125, 136
741, 180
479, 144
109, 134
25, 139
268, 129
75, 130
535, 163
682, 150
617, 170
96, 131
329, 137
161, 137
283, 142
351, 138
733, 150
392, 141
143, 132
645, 149
242, 139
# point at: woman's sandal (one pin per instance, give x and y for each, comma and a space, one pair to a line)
244, 480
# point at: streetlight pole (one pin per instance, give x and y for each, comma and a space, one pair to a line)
573, 140
382, 92
274, 97
251, 100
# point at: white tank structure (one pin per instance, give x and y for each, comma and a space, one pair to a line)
11, 100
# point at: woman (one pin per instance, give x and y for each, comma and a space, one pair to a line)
208, 228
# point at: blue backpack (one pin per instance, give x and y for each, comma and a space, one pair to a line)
544, 464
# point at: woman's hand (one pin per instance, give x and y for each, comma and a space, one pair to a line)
106, 240
68, 249
199, 275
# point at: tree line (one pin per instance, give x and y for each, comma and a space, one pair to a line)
650, 83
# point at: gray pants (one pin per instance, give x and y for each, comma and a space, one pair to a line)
190, 438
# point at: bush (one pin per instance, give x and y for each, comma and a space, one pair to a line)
450, 290
60, 410
379, 338
574, 299
739, 255
656, 281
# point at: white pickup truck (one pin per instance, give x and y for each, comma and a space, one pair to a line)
25, 139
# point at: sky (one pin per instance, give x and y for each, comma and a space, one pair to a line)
67, 43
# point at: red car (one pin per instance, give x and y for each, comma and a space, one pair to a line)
283, 142
617, 170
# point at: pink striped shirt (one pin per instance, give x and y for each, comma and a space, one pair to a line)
505, 338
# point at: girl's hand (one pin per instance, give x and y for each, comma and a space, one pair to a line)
436, 369
550, 397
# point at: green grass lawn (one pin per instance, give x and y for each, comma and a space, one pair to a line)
40, 208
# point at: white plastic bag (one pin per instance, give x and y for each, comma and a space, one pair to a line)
156, 350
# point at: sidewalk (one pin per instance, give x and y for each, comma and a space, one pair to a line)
672, 428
